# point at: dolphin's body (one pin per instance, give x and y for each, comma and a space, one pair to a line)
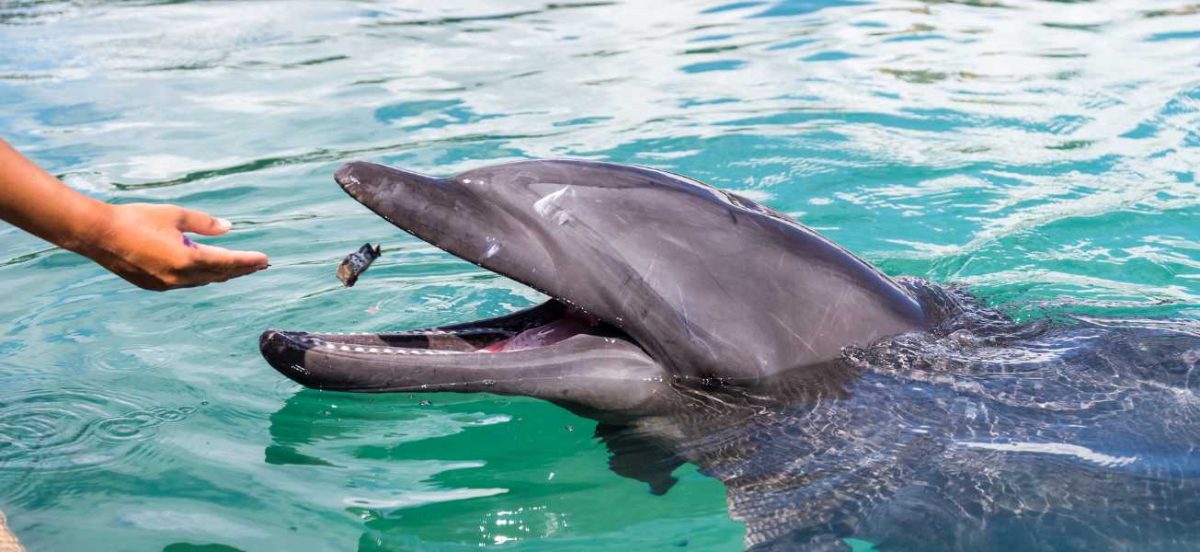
699, 326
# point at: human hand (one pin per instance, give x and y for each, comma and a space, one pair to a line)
144, 244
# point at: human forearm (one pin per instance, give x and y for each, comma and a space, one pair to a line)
35, 201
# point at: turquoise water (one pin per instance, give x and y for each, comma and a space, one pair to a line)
1043, 154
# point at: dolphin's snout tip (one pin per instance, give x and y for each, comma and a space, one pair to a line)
280, 351
347, 175
271, 345
266, 338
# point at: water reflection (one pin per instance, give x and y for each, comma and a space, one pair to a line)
402, 466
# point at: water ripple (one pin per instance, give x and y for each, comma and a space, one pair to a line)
64, 430
315, 156
1042, 153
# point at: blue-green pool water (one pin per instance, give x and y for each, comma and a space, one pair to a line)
1044, 154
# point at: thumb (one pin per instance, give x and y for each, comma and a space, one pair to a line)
202, 223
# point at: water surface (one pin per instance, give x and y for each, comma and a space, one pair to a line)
1041, 153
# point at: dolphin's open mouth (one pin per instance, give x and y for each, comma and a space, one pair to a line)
652, 277
554, 340
524, 352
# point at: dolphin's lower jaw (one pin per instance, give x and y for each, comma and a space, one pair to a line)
549, 351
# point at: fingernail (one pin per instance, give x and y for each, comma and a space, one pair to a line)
264, 267
224, 224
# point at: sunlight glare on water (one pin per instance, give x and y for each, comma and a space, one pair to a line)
1042, 153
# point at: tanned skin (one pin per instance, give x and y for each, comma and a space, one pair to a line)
142, 243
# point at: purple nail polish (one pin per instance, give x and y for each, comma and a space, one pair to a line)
187, 242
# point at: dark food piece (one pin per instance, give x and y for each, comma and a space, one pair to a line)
356, 263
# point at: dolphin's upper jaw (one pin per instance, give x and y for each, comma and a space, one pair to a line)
409, 200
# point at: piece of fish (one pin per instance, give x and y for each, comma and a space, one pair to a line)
356, 263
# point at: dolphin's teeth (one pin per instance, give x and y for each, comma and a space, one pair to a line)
323, 340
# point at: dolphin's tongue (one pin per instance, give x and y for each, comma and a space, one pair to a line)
572, 323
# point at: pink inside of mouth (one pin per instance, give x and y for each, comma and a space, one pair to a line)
572, 323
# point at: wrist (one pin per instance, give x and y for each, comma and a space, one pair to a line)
88, 226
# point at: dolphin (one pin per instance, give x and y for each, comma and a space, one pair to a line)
653, 279
697, 326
